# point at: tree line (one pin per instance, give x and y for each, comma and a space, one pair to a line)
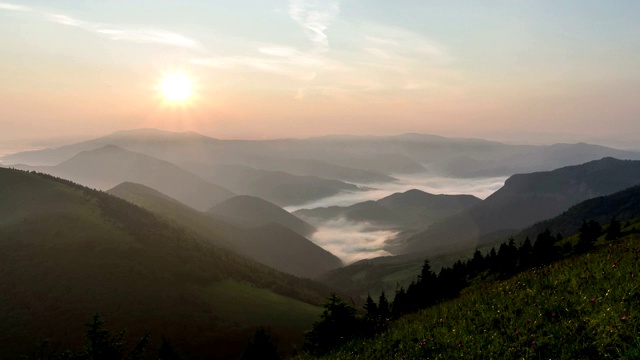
340, 321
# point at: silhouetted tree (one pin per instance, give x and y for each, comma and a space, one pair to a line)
401, 304
337, 325
166, 351
384, 310
544, 250
614, 231
589, 233
525, 254
261, 347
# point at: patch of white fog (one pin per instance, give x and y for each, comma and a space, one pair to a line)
353, 241
480, 187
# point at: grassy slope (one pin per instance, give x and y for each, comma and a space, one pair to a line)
272, 245
542, 313
67, 252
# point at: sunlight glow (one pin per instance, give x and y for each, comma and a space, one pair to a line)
176, 87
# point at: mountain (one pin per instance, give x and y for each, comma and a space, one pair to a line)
318, 168
622, 206
68, 252
279, 187
110, 165
523, 200
400, 210
360, 159
271, 244
252, 211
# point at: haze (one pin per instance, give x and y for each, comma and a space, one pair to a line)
525, 71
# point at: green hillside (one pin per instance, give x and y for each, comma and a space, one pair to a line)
271, 244
583, 307
68, 252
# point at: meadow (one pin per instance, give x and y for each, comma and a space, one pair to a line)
583, 307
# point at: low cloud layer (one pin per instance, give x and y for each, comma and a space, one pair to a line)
480, 187
353, 241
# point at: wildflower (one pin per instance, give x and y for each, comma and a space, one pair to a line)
593, 300
459, 345
613, 266
533, 342
517, 332
633, 276
553, 314
624, 318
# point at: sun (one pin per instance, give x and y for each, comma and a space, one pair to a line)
176, 87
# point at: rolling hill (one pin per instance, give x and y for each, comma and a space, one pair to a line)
399, 210
278, 187
68, 252
108, 166
622, 206
251, 211
524, 200
274, 245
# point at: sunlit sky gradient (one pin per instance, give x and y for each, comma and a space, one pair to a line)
561, 70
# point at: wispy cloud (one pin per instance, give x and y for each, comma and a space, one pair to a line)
314, 16
111, 31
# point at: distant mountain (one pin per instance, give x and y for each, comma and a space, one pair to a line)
279, 187
318, 168
361, 159
524, 200
108, 166
252, 211
623, 205
68, 252
272, 244
400, 210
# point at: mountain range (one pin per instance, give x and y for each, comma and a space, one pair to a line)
68, 252
523, 200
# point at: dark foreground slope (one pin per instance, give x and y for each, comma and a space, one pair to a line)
68, 252
524, 200
585, 307
274, 245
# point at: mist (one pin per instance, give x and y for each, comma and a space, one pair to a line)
480, 187
352, 241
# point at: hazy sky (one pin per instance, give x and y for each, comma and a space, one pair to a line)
264, 69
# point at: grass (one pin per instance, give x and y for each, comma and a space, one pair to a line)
579, 308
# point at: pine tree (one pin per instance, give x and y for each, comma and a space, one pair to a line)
337, 325
261, 347
384, 310
614, 231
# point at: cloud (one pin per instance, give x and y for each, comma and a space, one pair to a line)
352, 241
112, 31
480, 187
315, 17
13, 7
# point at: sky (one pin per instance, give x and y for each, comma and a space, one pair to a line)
519, 71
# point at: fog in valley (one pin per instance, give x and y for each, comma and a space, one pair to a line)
352, 241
